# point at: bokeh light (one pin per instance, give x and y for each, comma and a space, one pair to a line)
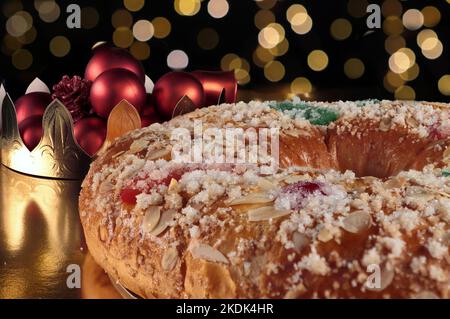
271, 35
187, 7
22, 59
89, 17
318, 60
394, 43
413, 19
444, 85
301, 85
134, 5
402, 60
357, 8
143, 30
354, 68
140, 50
263, 18
405, 92
177, 60
340, 29
162, 27
208, 39
391, 8
393, 25
121, 18
60, 46
123, 37
218, 8
49, 11
274, 71
431, 16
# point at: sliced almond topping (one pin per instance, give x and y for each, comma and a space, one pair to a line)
324, 235
118, 154
358, 204
157, 154
293, 133
166, 218
138, 145
266, 184
103, 233
204, 251
411, 121
396, 182
266, 213
357, 221
385, 125
386, 278
173, 185
105, 187
151, 218
419, 193
169, 259
252, 198
447, 152
300, 241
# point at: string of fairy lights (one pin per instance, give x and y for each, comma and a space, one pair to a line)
273, 40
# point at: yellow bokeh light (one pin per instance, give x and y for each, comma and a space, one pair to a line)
208, 38
357, 8
340, 29
392, 81
227, 59
405, 92
143, 30
242, 76
122, 18
262, 56
413, 19
280, 49
318, 60
89, 17
140, 50
444, 85
301, 85
123, 37
271, 35
162, 27
392, 8
22, 59
266, 4
274, 71
354, 68
394, 43
401, 60
18, 24
49, 11
187, 7
424, 35
435, 52
431, 16
60, 46
304, 27
294, 10
263, 18
393, 25
28, 37
411, 74
134, 5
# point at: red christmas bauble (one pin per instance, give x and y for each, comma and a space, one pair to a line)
113, 86
214, 82
149, 106
171, 87
32, 104
106, 58
31, 131
90, 133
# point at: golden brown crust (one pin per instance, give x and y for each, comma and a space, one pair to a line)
218, 247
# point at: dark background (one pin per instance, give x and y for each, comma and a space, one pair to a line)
237, 34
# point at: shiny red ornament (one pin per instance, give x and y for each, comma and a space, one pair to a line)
32, 104
171, 87
90, 133
148, 113
214, 82
106, 58
31, 131
113, 86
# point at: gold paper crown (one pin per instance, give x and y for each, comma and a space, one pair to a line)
58, 154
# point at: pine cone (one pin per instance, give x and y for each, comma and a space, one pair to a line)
74, 94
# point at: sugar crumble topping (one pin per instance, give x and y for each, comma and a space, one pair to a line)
307, 209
